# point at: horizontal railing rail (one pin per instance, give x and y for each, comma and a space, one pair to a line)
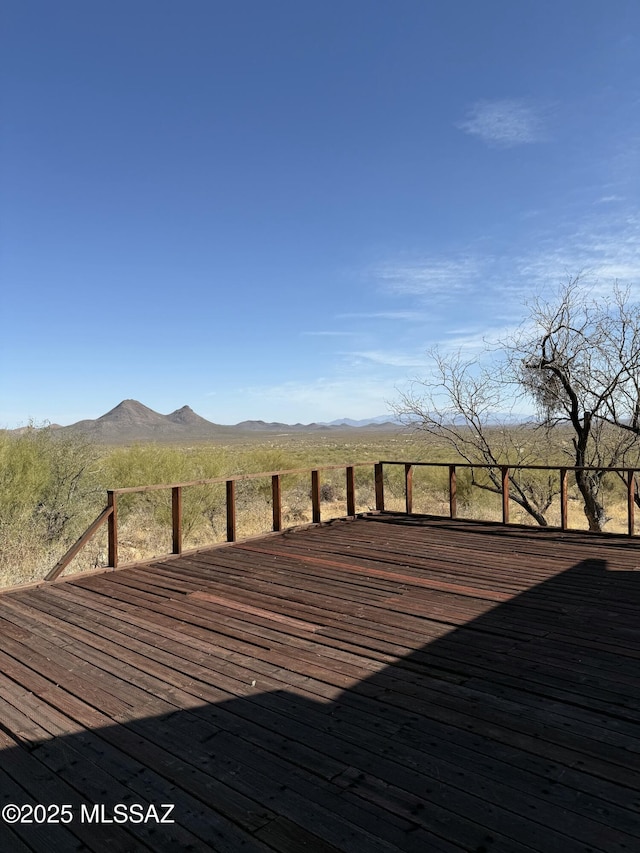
109, 515
515, 467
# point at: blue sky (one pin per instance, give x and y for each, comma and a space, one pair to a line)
273, 208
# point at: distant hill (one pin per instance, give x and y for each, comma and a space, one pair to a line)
23, 429
380, 420
132, 421
262, 426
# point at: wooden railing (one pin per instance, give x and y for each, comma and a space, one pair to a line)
109, 514
628, 475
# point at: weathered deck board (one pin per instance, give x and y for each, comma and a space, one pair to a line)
387, 684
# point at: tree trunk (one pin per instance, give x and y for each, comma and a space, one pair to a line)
517, 496
589, 485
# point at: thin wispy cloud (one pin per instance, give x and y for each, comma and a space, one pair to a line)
408, 316
389, 358
476, 342
430, 277
328, 334
604, 248
504, 123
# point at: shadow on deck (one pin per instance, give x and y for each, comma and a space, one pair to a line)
388, 684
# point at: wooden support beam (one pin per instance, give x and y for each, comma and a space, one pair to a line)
408, 487
505, 494
112, 502
176, 517
379, 480
351, 491
564, 491
453, 492
315, 496
231, 510
89, 533
276, 501
631, 502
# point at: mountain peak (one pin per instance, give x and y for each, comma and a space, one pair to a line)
131, 412
187, 417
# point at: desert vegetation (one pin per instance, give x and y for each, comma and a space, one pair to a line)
52, 487
49, 490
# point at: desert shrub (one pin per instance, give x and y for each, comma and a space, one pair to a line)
49, 492
263, 459
329, 492
296, 499
145, 465
257, 460
48, 479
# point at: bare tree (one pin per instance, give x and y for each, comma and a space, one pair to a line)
461, 404
620, 343
577, 358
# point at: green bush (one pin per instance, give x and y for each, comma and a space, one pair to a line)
49, 493
150, 464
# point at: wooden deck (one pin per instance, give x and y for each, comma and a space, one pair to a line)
385, 684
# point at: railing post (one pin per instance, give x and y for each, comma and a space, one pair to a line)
563, 499
408, 487
315, 497
379, 480
112, 501
231, 510
176, 518
631, 503
505, 494
351, 491
453, 492
276, 501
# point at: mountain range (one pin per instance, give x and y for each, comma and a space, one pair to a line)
132, 421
